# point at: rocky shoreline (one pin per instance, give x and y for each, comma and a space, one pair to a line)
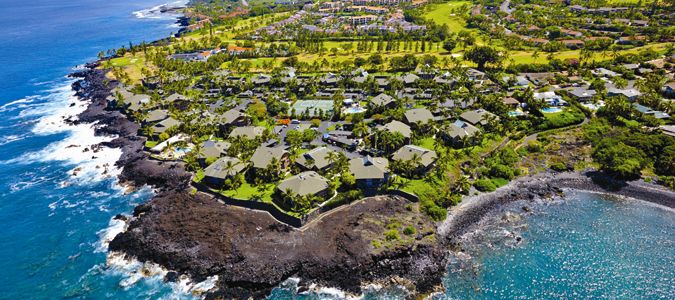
546, 186
250, 251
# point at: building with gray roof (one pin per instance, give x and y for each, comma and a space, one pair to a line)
249, 132
263, 156
478, 116
418, 116
315, 159
303, 184
383, 100
223, 168
408, 152
369, 172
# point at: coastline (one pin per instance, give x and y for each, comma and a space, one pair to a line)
162, 231
171, 218
545, 186
184, 233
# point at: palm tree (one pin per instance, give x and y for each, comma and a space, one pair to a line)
462, 185
360, 129
413, 164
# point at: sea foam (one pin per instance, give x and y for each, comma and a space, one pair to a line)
80, 148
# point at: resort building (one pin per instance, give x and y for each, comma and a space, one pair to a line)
369, 172
304, 184
315, 159
424, 158
223, 168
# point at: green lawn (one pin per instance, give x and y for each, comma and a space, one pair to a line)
428, 143
247, 191
445, 13
411, 185
150, 144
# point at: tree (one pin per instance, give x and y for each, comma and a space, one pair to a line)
449, 44
482, 55
619, 159
665, 164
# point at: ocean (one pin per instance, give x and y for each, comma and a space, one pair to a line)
58, 198
54, 224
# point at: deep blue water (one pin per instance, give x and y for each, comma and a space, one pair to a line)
53, 222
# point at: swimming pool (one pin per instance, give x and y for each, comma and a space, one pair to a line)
354, 110
551, 110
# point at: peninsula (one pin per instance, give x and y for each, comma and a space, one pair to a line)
328, 140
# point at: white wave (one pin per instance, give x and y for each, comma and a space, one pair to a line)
11, 138
92, 163
135, 272
18, 104
156, 12
106, 235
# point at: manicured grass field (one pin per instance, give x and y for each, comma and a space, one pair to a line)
247, 191
445, 13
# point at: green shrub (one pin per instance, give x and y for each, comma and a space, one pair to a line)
409, 230
391, 235
499, 182
558, 166
484, 185
534, 146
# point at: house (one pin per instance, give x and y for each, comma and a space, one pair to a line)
304, 184
212, 150
418, 116
164, 125
329, 79
156, 116
518, 81
630, 93
426, 72
249, 132
604, 72
234, 117
475, 75
341, 141
426, 158
573, 44
396, 126
369, 172
648, 111
222, 169
459, 132
581, 93
383, 100
668, 129
630, 40
511, 102
669, 89
478, 116
408, 79
135, 102
261, 79
263, 156
550, 98
315, 159
540, 79
444, 79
